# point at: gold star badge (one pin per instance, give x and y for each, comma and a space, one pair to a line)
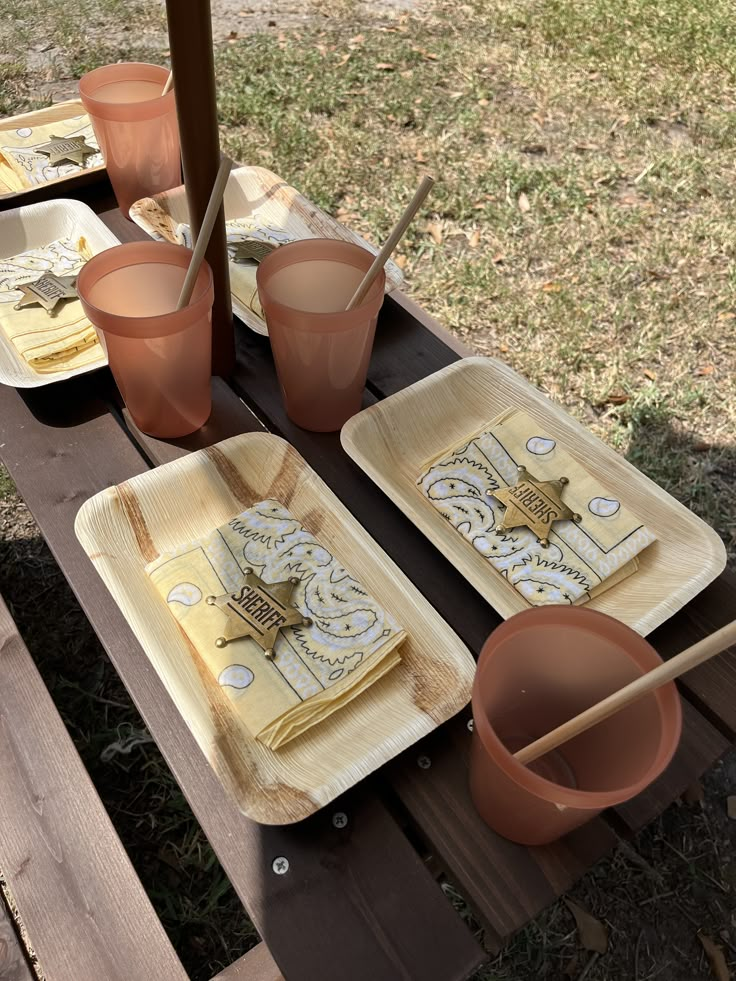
258, 610
71, 148
534, 504
48, 291
251, 249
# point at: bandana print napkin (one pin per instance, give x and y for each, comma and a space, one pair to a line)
58, 343
22, 166
351, 643
242, 273
581, 560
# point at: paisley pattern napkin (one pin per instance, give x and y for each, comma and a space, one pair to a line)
242, 274
22, 166
48, 343
581, 560
351, 643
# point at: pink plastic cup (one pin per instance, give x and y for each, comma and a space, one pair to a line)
320, 349
160, 356
536, 671
136, 128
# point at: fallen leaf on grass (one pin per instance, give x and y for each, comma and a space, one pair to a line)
705, 369
523, 202
343, 61
498, 258
726, 315
650, 374
716, 959
551, 287
731, 807
592, 933
615, 398
385, 66
436, 232
474, 240
429, 55
400, 261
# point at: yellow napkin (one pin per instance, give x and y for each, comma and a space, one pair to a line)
317, 669
48, 343
243, 274
580, 559
21, 166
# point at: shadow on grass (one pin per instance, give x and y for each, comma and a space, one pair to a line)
181, 874
699, 474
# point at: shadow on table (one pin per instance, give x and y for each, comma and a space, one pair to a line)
72, 402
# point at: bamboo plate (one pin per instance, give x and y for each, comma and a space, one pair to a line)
257, 192
32, 226
41, 117
392, 441
125, 527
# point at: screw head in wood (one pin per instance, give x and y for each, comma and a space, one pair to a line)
220, 642
280, 865
424, 762
340, 819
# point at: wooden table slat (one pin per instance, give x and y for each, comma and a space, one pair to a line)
390, 916
85, 910
507, 884
256, 965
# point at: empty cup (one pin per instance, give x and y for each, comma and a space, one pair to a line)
160, 356
537, 670
320, 349
136, 128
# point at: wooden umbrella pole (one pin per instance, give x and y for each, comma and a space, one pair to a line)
192, 63
627, 695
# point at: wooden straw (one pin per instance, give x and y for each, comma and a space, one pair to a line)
169, 83
392, 241
690, 658
203, 239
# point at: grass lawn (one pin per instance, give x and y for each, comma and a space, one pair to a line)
581, 229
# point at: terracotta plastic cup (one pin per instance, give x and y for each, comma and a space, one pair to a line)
136, 128
160, 356
536, 671
320, 349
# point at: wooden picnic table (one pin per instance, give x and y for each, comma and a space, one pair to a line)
361, 897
